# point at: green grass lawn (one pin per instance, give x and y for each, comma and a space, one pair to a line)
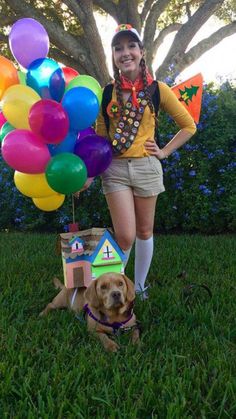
184, 368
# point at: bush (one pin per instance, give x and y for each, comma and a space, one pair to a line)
200, 177
199, 180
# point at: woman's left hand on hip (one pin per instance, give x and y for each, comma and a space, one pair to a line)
153, 149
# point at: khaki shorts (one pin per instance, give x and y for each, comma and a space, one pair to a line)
143, 175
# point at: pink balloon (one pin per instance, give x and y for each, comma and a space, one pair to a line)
25, 151
48, 119
2, 120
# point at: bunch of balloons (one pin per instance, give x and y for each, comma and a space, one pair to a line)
46, 119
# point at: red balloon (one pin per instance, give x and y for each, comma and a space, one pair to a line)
48, 119
69, 74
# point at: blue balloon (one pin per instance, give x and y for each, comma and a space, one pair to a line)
65, 146
46, 78
82, 107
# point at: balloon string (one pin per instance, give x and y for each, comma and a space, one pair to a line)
73, 208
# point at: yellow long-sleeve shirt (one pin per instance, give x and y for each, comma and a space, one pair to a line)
168, 103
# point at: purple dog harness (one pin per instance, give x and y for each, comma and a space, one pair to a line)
115, 325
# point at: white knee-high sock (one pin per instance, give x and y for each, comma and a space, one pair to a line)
143, 258
127, 253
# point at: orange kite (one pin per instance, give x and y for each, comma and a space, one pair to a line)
189, 94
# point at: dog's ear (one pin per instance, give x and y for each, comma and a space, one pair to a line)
130, 289
91, 294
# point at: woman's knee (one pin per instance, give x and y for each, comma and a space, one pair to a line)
144, 234
125, 241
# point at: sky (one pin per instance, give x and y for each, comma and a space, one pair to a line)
218, 64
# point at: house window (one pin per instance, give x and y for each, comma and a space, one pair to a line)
107, 253
77, 246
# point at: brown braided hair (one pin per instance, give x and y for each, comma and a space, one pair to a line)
117, 85
147, 92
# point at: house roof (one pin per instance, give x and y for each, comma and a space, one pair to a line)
75, 239
91, 238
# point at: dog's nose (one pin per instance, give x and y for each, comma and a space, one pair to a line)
116, 295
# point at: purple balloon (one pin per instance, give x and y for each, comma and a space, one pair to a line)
96, 152
28, 41
85, 132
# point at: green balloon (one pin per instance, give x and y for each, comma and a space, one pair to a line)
22, 77
86, 81
66, 173
6, 128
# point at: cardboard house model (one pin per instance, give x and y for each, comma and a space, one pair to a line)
89, 253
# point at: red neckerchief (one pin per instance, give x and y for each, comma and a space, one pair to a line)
135, 87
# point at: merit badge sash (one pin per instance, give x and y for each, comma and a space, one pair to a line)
128, 124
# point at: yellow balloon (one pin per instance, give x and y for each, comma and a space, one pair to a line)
16, 103
34, 186
50, 203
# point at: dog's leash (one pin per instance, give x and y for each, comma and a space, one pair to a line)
189, 292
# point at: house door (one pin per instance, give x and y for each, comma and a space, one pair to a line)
78, 277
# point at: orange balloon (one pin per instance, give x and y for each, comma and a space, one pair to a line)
8, 74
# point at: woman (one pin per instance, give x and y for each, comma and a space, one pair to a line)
134, 179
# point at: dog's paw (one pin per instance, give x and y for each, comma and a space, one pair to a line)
112, 346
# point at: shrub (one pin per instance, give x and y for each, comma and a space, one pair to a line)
200, 177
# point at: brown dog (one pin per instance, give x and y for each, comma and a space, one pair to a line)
108, 302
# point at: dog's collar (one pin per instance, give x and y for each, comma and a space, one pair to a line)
115, 325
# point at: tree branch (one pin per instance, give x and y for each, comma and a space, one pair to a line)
84, 11
108, 7
77, 9
150, 53
151, 22
192, 26
146, 9
174, 27
7, 19
187, 32
205, 45
58, 55
133, 16
3, 39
